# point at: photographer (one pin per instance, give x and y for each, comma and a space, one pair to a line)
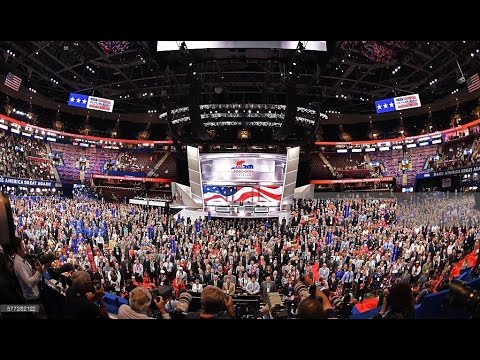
11, 292
398, 303
215, 305
29, 278
139, 304
314, 304
83, 300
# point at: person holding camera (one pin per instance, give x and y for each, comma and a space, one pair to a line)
83, 300
215, 305
28, 277
11, 292
398, 303
314, 304
139, 303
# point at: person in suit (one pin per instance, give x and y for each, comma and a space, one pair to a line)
216, 282
324, 271
117, 252
228, 286
201, 277
209, 276
233, 278
152, 269
267, 287
332, 282
282, 259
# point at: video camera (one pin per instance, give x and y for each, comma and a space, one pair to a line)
182, 304
288, 307
43, 258
467, 296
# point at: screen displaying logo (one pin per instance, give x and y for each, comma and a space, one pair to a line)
242, 169
240, 164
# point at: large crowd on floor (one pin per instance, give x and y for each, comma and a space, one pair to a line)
359, 246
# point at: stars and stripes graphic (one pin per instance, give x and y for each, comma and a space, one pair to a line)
90, 102
227, 194
473, 83
385, 105
12, 81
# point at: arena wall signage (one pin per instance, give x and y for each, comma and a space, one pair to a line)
449, 172
351, 181
90, 102
132, 178
397, 103
26, 182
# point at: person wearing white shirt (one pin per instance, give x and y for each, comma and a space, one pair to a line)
197, 287
138, 271
28, 277
253, 287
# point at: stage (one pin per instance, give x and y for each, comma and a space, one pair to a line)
244, 212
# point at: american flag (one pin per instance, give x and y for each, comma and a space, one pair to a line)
224, 194
13, 82
473, 83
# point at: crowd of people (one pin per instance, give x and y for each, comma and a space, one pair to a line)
455, 155
24, 158
351, 246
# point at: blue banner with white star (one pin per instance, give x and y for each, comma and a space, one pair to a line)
397, 103
78, 100
90, 102
385, 105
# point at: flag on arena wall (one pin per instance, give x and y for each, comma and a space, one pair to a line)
13, 82
473, 82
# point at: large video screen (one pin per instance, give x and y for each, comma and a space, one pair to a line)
264, 195
246, 178
255, 169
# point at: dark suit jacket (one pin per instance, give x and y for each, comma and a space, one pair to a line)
208, 278
147, 268
219, 283
263, 290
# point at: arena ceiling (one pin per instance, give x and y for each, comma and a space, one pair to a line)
347, 78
